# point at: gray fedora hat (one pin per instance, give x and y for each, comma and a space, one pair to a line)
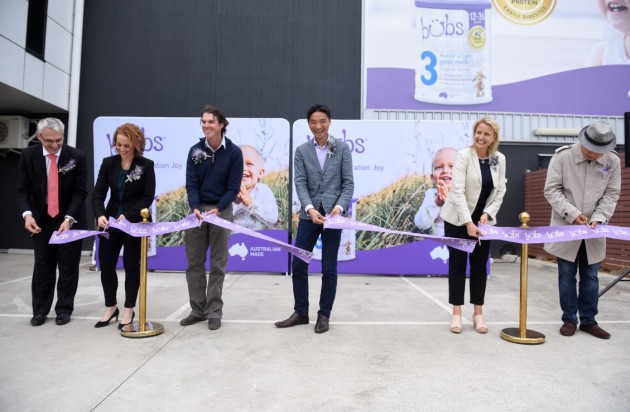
598, 137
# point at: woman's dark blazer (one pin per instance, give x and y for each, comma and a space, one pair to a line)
138, 193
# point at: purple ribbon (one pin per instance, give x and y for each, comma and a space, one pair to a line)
226, 224
341, 222
153, 228
68, 236
191, 221
552, 234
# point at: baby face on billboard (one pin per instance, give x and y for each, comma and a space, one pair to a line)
443, 167
617, 13
253, 168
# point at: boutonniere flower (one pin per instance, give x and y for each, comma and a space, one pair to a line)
331, 147
605, 170
199, 156
135, 174
68, 167
493, 161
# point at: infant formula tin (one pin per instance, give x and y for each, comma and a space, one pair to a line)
453, 62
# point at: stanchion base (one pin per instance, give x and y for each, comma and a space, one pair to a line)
150, 329
531, 336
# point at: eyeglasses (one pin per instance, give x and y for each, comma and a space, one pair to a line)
49, 142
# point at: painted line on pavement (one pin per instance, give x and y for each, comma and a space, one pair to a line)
432, 298
15, 280
175, 315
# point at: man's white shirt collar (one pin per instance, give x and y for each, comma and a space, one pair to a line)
222, 144
46, 153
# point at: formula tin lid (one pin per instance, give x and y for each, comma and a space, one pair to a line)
454, 4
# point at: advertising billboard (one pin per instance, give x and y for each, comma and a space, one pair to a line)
535, 56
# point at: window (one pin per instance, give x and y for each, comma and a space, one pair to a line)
36, 27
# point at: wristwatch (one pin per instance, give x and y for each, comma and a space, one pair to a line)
69, 220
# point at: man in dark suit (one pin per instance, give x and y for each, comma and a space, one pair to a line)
51, 190
324, 184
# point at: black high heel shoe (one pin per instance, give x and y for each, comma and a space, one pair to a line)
103, 323
122, 325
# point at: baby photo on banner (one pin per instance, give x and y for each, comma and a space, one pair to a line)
261, 205
402, 173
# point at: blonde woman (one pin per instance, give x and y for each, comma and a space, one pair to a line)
477, 191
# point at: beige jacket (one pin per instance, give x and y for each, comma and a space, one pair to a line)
576, 186
466, 187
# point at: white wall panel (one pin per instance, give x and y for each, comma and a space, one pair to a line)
58, 46
56, 86
12, 66
13, 16
516, 127
33, 76
61, 11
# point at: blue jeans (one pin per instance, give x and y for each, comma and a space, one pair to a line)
586, 301
307, 235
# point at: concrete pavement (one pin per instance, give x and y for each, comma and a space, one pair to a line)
388, 348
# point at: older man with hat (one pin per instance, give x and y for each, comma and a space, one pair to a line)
583, 186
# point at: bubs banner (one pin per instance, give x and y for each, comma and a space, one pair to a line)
265, 145
398, 165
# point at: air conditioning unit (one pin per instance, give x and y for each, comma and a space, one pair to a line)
13, 132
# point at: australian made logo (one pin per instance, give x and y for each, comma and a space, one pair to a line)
242, 250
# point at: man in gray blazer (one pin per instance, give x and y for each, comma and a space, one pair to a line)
324, 183
583, 185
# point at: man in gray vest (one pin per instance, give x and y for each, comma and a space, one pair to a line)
583, 186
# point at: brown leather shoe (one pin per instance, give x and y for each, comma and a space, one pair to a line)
294, 319
322, 324
568, 329
595, 330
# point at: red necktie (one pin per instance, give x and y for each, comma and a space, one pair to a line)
53, 186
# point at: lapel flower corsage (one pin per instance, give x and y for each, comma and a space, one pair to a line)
331, 147
199, 156
68, 167
605, 170
134, 174
493, 161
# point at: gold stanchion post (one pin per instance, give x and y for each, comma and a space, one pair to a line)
143, 329
522, 334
